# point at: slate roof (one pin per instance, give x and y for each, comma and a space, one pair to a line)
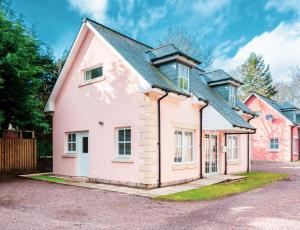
281, 107
219, 75
137, 54
168, 50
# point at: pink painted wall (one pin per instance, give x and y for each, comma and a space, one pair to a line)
115, 101
277, 128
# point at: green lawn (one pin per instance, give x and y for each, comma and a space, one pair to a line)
253, 180
48, 178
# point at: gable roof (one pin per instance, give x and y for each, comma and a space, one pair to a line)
137, 55
280, 107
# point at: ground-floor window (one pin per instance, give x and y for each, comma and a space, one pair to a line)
295, 145
184, 146
232, 148
71, 145
124, 142
274, 144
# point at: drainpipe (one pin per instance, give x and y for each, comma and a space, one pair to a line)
159, 137
292, 150
248, 147
201, 140
298, 144
225, 155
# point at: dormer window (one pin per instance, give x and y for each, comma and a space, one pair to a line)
232, 95
183, 77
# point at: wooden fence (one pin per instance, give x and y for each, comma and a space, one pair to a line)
17, 155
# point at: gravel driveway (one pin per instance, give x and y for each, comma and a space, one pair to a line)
28, 204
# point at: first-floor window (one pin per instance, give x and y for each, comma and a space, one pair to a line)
184, 146
232, 147
124, 142
71, 142
274, 143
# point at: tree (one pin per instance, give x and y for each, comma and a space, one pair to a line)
24, 63
256, 77
289, 91
191, 44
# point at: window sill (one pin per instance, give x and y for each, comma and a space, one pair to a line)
184, 166
122, 160
69, 155
274, 150
98, 79
233, 162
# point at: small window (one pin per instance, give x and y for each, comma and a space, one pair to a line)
183, 77
184, 146
274, 143
232, 148
124, 142
85, 144
232, 95
71, 142
93, 73
295, 145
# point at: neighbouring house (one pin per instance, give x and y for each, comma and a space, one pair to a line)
277, 135
127, 113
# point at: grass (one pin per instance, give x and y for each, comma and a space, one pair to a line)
48, 178
252, 181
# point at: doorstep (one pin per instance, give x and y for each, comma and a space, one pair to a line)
156, 191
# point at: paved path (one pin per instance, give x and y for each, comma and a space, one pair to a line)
27, 204
156, 191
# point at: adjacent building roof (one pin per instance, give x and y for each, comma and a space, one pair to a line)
281, 107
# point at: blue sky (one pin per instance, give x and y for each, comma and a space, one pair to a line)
233, 28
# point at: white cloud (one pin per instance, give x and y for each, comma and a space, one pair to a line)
96, 9
151, 16
279, 47
284, 5
208, 7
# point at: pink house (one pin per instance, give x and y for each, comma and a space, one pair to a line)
277, 136
127, 113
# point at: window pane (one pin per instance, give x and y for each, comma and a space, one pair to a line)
74, 137
69, 147
121, 134
128, 148
73, 148
121, 148
69, 137
128, 135
85, 144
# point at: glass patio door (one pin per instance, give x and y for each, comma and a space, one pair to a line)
211, 153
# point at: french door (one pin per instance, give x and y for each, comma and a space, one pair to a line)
211, 153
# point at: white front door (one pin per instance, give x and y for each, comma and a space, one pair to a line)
211, 153
83, 154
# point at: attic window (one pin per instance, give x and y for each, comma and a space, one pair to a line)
183, 77
232, 95
93, 73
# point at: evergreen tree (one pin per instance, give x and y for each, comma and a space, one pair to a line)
24, 63
256, 77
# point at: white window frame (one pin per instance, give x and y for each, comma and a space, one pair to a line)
71, 142
232, 94
90, 69
272, 145
124, 156
184, 147
183, 77
231, 148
